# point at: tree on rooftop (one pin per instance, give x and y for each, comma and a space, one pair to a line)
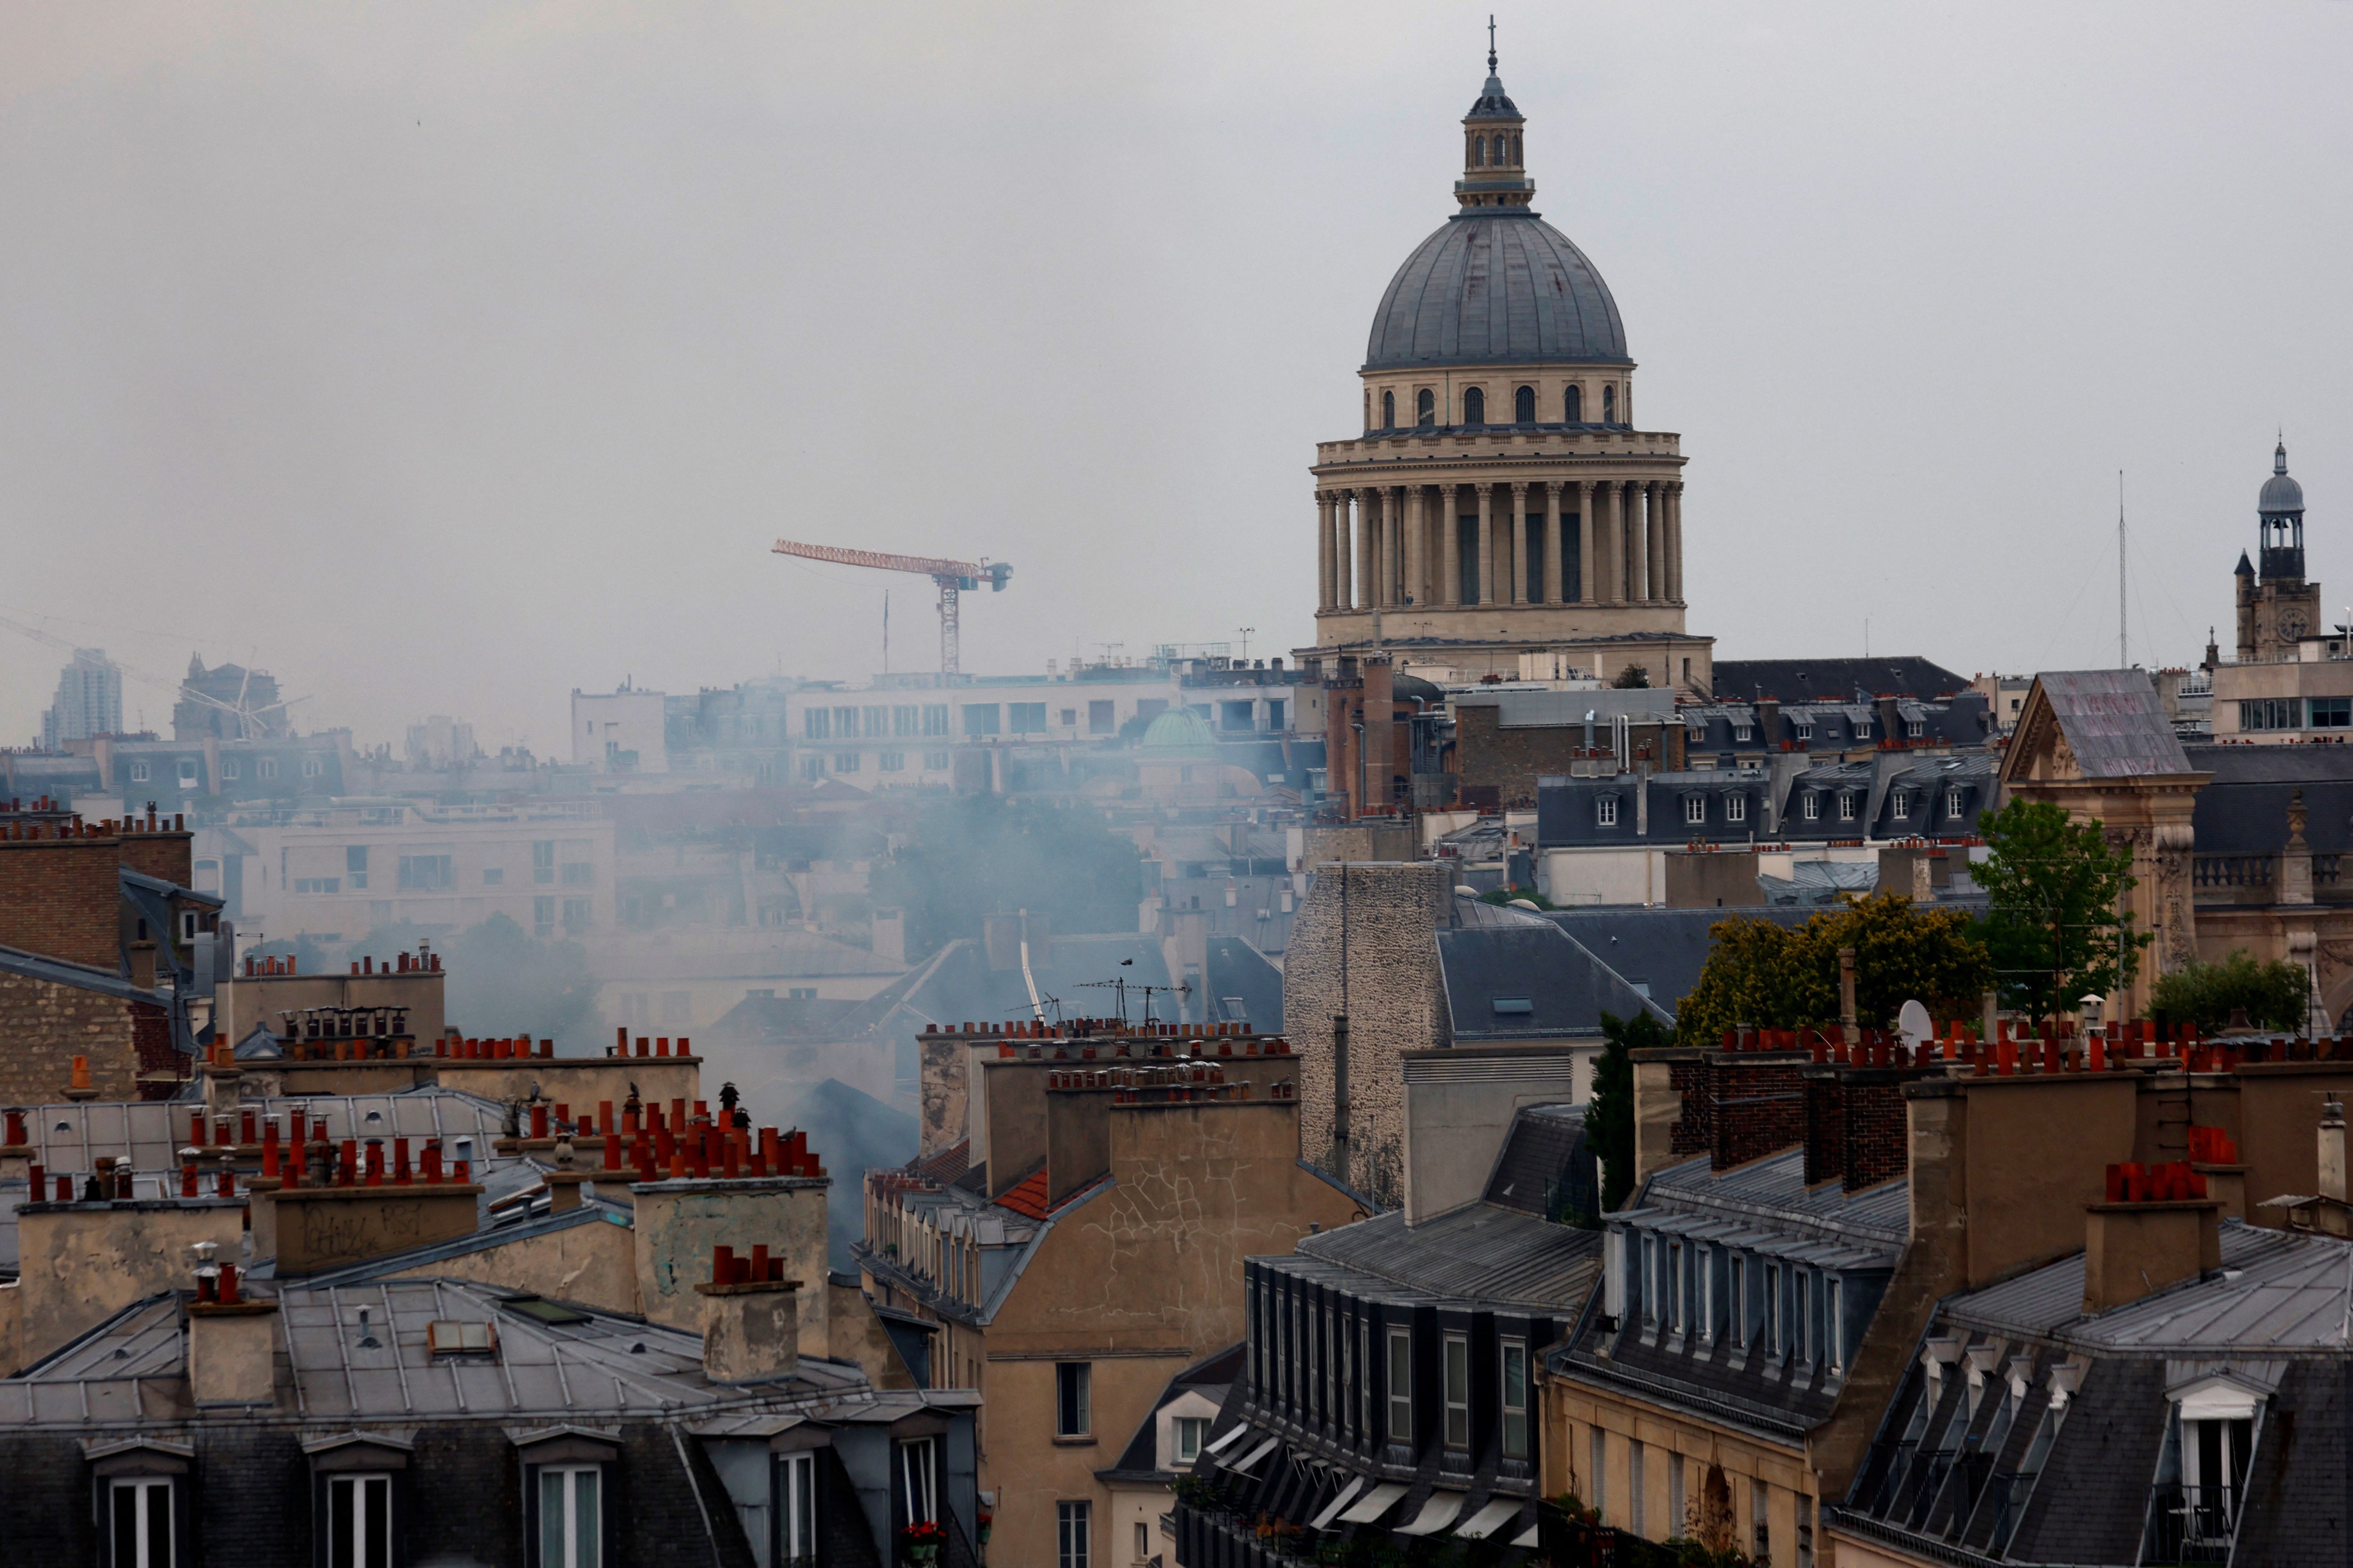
1769, 975
1633, 678
1609, 1113
2057, 927
2275, 995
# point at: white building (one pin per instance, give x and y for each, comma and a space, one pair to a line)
620, 731
89, 701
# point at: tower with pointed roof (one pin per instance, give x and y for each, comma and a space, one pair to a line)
1501, 513
2276, 604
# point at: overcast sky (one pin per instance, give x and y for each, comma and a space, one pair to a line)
443, 358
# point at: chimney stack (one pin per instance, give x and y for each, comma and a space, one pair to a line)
2331, 1218
751, 1319
2157, 1228
231, 1340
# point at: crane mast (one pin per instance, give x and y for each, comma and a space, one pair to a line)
954, 579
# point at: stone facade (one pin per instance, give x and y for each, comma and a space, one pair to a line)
1363, 948
45, 1024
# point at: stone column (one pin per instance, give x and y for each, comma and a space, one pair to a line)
1450, 541
1675, 542
1417, 544
1323, 555
1638, 583
1368, 548
1654, 509
1393, 544
1344, 573
1611, 497
1486, 543
1589, 534
1519, 542
1552, 573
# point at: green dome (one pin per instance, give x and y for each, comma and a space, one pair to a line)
1178, 730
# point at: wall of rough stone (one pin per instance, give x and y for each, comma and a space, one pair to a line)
1366, 945
44, 1025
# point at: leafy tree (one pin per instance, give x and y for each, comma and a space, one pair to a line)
2276, 995
502, 981
1633, 678
981, 854
1762, 973
1609, 1116
2057, 927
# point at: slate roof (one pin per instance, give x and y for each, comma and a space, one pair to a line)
1528, 981
2114, 722
1661, 949
1495, 286
554, 1363
1833, 680
2244, 808
1212, 1378
1481, 1252
80, 976
1545, 1164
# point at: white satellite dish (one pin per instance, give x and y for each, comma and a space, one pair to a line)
1917, 1024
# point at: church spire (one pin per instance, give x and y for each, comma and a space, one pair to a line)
1495, 168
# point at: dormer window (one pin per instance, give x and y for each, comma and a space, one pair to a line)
1695, 809
1805, 728
1899, 803
1740, 731
1916, 728
1736, 808
1956, 798
1605, 811
1846, 806
1812, 808
1863, 729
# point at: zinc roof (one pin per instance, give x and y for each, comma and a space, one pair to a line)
2114, 722
1481, 1252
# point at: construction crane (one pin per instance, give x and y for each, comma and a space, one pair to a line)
248, 717
955, 578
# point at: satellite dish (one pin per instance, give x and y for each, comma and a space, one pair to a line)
1917, 1024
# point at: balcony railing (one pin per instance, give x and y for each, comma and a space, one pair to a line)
2232, 870
2190, 1524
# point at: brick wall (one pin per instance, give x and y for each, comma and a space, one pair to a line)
1694, 1129
44, 1025
162, 854
1510, 760
1856, 1132
1825, 1128
1759, 1107
1365, 944
61, 897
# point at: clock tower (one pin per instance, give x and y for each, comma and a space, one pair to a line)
2278, 606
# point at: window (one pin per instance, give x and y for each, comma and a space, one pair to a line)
1597, 1465
1072, 1386
817, 724
1801, 1317
1389, 410
425, 874
1914, 728
890, 762
493, 876
981, 718
1736, 1269
1186, 1435
1635, 1499
543, 861
187, 772
1400, 1386
845, 723
230, 768
1523, 406
1516, 1400
1071, 1521
1102, 719
875, 723
1899, 802
812, 768
1609, 406
579, 873
1695, 808
847, 763
571, 1516
1846, 806
1704, 1289
1364, 1380
1605, 811
1026, 718
1274, 713
1425, 407
355, 865
1812, 808
1805, 728
1736, 808
919, 1481
575, 916
1955, 798
141, 1522
1474, 406
1676, 1287
935, 761
2260, 713
1572, 404
543, 918
265, 768
1070, 718
796, 1503
2213, 1472
359, 1522
1478, 152
1741, 730
312, 767
906, 720
2329, 713
1458, 1393
1833, 1327
1649, 1279
139, 773
1772, 1308
317, 884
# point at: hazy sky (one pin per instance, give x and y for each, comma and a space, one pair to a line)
442, 358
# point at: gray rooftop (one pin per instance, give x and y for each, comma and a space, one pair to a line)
2114, 722
1496, 286
1481, 1252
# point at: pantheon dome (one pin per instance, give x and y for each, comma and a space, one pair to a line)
1500, 514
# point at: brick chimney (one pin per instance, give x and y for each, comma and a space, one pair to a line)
2157, 1228
750, 1318
1858, 1132
231, 1342
344, 1202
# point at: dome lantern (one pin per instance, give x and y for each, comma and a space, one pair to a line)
1494, 164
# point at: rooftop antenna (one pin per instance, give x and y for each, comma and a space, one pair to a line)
2124, 657
1491, 43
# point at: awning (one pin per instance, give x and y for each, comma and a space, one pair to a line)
1355, 1486
1436, 1514
1374, 1503
1228, 1441
1499, 1512
1241, 1466
1527, 1539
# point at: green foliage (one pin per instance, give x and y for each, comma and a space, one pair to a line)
981, 854
1609, 1117
502, 981
1770, 975
1633, 678
2276, 995
2056, 928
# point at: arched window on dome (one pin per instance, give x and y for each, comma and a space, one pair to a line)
1425, 407
1389, 410
1523, 406
1474, 407
1516, 148
1610, 405
1572, 404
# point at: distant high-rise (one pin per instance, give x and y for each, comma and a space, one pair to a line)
90, 700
